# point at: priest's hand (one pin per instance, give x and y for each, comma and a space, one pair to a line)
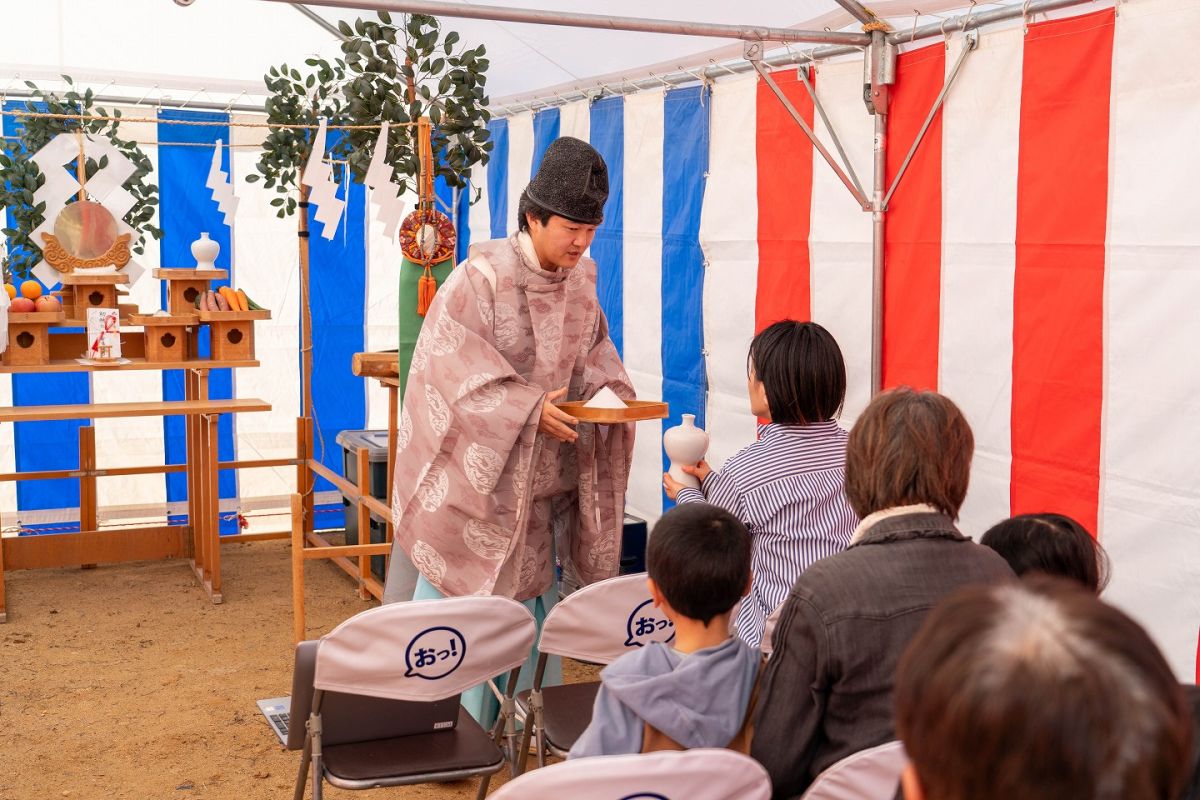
556, 423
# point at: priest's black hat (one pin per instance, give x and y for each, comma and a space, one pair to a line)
572, 181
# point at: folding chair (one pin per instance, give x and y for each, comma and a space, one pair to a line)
700, 774
867, 775
382, 693
599, 623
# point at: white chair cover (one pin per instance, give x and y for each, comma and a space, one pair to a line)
603, 621
425, 650
867, 775
700, 774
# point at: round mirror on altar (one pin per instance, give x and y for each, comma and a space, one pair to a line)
85, 237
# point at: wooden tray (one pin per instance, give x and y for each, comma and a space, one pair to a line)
232, 316
152, 319
185, 274
100, 279
45, 317
635, 411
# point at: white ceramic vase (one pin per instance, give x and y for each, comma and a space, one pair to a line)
685, 445
205, 251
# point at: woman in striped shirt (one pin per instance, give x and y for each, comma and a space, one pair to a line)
787, 487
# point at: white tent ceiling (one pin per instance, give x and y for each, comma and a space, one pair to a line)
216, 50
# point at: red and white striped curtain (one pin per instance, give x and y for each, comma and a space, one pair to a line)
1042, 270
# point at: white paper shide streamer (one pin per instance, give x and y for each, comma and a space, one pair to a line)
222, 188
318, 176
385, 193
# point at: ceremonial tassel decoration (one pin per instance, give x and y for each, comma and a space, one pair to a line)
426, 288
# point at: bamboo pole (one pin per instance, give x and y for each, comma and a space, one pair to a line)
306, 343
297, 569
364, 520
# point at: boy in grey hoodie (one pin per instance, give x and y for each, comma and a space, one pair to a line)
694, 689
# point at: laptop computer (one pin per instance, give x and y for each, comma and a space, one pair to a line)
348, 718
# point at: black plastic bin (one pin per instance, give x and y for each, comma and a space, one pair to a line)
376, 443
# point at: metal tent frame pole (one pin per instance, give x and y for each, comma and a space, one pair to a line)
880, 66
750, 33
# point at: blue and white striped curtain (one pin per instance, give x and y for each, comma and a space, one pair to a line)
656, 147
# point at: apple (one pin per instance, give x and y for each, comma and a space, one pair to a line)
48, 303
22, 305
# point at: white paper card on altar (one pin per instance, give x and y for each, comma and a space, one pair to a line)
605, 398
103, 334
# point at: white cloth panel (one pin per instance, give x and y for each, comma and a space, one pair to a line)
133, 442
575, 119
1150, 506
642, 278
520, 162
981, 124
480, 216
266, 260
729, 237
381, 315
840, 241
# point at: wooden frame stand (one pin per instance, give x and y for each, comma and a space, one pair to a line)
185, 285
90, 291
166, 337
232, 333
29, 337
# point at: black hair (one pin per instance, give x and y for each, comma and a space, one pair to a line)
525, 207
699, 555
801, 367
1053, 544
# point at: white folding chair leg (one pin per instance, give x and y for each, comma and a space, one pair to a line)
314, 738
504, 723
534, 718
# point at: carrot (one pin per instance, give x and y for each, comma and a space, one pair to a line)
243, 300
230, 298
222, 302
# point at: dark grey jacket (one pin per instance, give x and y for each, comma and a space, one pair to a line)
827, 690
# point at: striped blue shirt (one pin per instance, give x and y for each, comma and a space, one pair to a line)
789, 489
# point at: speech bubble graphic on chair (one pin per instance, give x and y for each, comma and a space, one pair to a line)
434, 653
648, 624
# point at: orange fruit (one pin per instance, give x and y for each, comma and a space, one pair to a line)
12, 291
31, 289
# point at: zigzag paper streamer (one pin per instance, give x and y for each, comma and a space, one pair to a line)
385, 194
318, 176
222, 188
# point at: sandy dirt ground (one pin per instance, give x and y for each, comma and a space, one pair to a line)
125, 682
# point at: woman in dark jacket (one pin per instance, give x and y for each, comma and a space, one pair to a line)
827, 690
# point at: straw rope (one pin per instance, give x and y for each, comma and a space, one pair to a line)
96, 118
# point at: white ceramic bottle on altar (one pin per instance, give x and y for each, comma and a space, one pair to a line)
205, 251
685, 445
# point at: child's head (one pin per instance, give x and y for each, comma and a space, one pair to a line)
797, 375
699, 560
1053, 544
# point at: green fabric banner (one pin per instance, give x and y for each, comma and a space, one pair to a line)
410, 320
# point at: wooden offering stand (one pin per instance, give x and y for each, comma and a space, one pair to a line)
185, 285
29, 337
166, 337
81, 292
232, 333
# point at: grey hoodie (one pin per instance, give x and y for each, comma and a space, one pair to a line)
697, 699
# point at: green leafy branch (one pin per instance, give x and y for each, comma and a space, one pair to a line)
299, 100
